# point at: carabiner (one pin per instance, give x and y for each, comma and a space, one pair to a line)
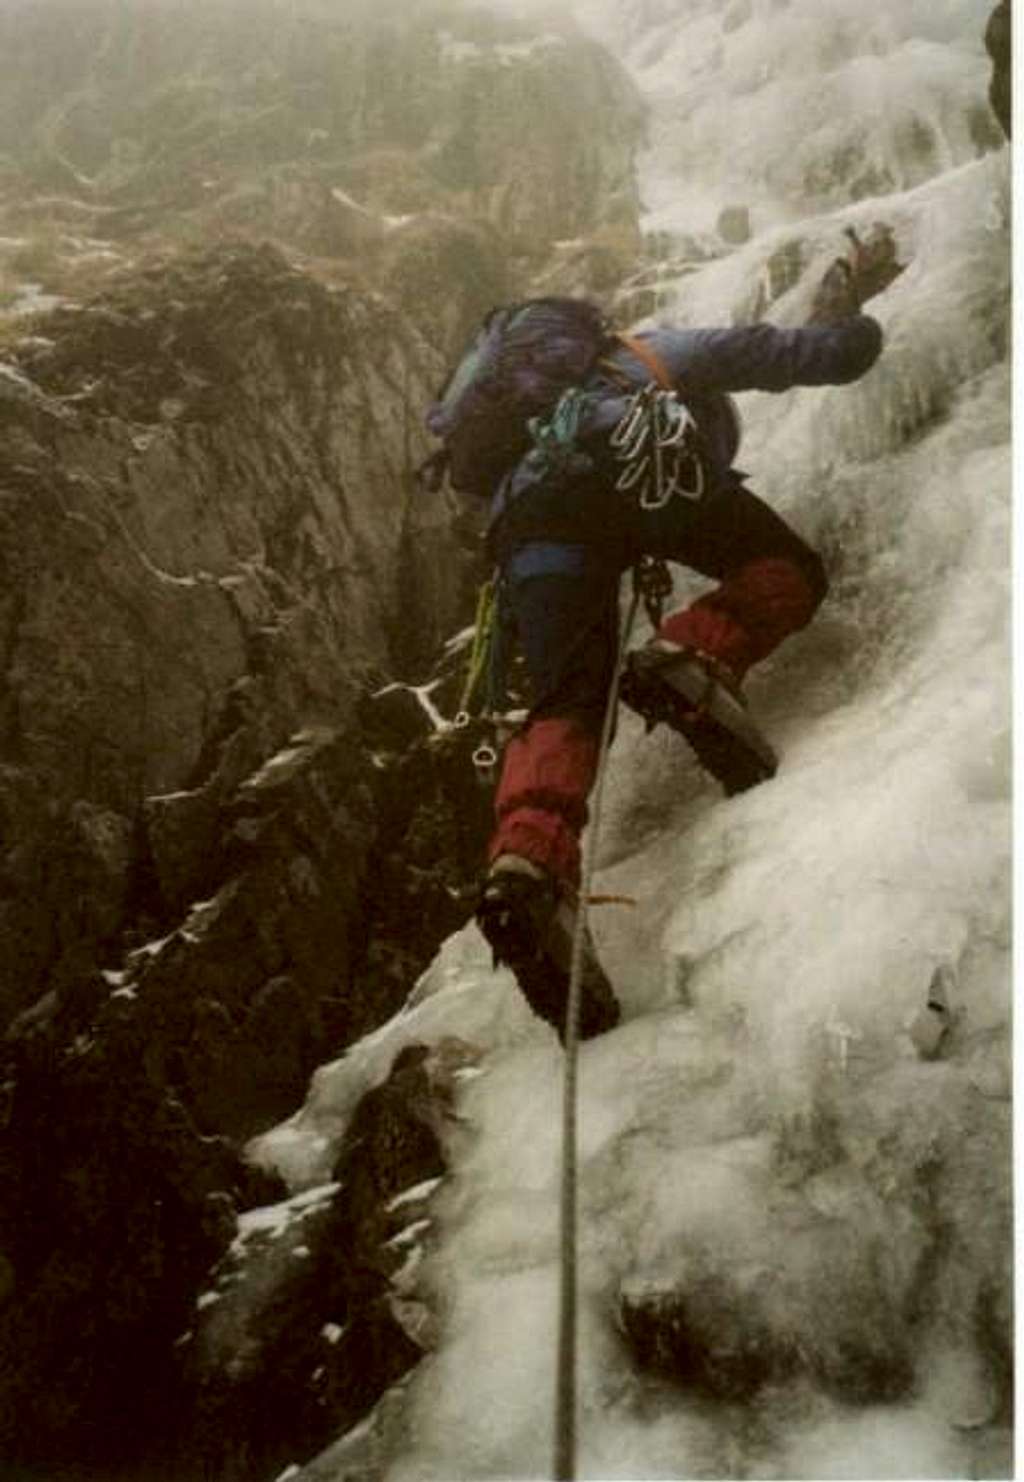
654, 498
485, 763
632, 474
623, 429
690, 486
673, 422
630, 432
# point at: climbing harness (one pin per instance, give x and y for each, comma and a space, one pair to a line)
483, 715
565, 1394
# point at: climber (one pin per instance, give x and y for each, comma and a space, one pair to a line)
561, 545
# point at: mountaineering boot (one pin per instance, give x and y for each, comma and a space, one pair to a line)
529, 924
700, 698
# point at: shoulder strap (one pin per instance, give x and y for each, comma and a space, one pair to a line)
649, 358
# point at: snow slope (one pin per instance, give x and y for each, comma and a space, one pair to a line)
762, 1128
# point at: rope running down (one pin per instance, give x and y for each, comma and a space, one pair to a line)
565, 1396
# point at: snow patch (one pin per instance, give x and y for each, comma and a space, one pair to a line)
422, 694
414, 1194
273, 1220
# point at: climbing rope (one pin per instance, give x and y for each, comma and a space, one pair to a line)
565, 1396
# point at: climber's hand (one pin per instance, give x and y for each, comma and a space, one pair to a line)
868, 268
873, 261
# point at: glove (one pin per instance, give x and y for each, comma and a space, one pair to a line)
873, 260
868, 269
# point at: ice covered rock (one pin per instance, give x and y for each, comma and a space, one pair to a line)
318, 1308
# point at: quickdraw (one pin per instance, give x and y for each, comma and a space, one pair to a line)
479, 666
657, 442
483, 719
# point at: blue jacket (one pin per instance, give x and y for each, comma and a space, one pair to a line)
761, 357
707, 365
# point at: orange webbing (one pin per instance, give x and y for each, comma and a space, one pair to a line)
648, 357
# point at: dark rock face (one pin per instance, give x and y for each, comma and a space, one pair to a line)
315, 1310
208, 535
210, 551
999, 44
116, 1207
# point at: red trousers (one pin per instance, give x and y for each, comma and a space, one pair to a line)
549, 767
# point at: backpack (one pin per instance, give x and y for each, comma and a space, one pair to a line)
521, 360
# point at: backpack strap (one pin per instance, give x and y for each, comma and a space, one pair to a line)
650, 358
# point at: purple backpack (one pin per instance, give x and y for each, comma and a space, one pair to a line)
519, 363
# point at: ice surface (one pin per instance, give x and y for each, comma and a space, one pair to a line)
782, 941
459, 996
804, 103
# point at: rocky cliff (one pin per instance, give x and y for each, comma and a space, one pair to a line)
211, 537
212, 552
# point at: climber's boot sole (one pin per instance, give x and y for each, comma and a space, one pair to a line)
529, 927
687, 691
